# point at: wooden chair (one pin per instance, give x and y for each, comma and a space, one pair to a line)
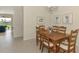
62, 29
70, 45
37, 33
55, 28
42, 35
46, 43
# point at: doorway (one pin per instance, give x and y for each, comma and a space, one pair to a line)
6, 27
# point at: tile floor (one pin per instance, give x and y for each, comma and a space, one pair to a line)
18, 45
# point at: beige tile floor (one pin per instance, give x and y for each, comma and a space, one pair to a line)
18, 45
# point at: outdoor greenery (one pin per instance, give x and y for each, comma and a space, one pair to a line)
6, 24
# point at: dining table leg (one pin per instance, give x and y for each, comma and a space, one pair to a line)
36, 39
55, 47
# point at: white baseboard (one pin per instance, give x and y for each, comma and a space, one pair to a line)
28, 38
16, 36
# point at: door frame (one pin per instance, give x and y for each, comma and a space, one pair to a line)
9, 15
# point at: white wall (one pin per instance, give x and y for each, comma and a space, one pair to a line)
18, 22
65, 10
30, 17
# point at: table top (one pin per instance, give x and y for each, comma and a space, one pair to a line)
54, 36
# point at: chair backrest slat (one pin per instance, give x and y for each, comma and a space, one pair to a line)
55, 29
72, 40
62, 29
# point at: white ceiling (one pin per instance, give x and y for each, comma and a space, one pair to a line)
8, 9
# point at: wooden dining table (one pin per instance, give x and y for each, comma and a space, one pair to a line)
55, 37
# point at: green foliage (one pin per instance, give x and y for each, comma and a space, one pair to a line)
7, 25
